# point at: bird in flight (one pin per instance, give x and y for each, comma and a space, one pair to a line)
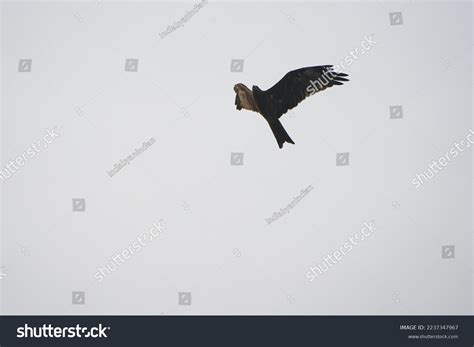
293, 88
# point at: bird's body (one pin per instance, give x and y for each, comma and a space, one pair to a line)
293, 88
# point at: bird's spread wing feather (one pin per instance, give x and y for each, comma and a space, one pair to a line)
296, 85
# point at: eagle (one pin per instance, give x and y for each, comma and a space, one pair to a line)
293, 88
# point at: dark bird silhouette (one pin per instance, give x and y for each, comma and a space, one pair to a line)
293, 88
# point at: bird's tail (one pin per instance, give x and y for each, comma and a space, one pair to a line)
279, 132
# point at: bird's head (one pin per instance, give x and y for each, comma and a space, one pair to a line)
244, 98
240, 87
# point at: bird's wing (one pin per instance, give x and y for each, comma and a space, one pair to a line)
296, 85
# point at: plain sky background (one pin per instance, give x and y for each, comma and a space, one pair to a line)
217, 244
